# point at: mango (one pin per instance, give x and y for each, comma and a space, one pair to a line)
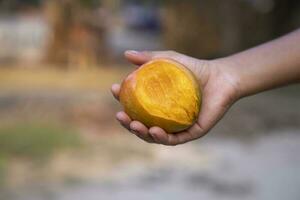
162, 93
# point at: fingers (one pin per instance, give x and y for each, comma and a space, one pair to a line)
124, 119
161, 137
157, 134
141, 131
135, 127
115, 90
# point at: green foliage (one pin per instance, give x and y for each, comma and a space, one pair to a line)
34, 141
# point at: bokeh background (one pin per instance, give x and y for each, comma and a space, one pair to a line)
58, 135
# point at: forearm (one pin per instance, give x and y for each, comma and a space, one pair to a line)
270, 65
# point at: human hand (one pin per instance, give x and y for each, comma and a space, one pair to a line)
219, 91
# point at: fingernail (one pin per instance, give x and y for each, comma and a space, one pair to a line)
132, 52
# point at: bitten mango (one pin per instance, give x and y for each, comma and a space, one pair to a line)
162, 93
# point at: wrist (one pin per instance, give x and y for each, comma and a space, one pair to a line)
228, 69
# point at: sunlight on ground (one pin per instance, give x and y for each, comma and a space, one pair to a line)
53, 79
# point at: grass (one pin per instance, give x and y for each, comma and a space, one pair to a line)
35, 141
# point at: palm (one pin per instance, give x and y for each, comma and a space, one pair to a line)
218, 94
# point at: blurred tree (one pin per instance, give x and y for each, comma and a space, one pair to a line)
191, 27
210, 28
202, 28
78, 37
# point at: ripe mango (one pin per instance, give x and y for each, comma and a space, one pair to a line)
162, 93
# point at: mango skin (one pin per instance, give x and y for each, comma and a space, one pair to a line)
162, 93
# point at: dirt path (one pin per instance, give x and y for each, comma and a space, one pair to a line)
267, 169
253, 153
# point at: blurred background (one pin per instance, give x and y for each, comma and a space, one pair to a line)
58, 135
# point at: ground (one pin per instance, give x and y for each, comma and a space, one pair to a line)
251, 154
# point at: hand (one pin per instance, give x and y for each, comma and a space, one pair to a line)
219, 92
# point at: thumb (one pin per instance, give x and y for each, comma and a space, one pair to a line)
141, 57
137, 57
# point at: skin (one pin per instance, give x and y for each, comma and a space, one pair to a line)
224, 81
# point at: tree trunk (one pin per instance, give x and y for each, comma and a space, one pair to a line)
78, 34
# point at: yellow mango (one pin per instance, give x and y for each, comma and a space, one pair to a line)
162, 93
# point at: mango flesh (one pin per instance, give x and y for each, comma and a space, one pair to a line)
162, 93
